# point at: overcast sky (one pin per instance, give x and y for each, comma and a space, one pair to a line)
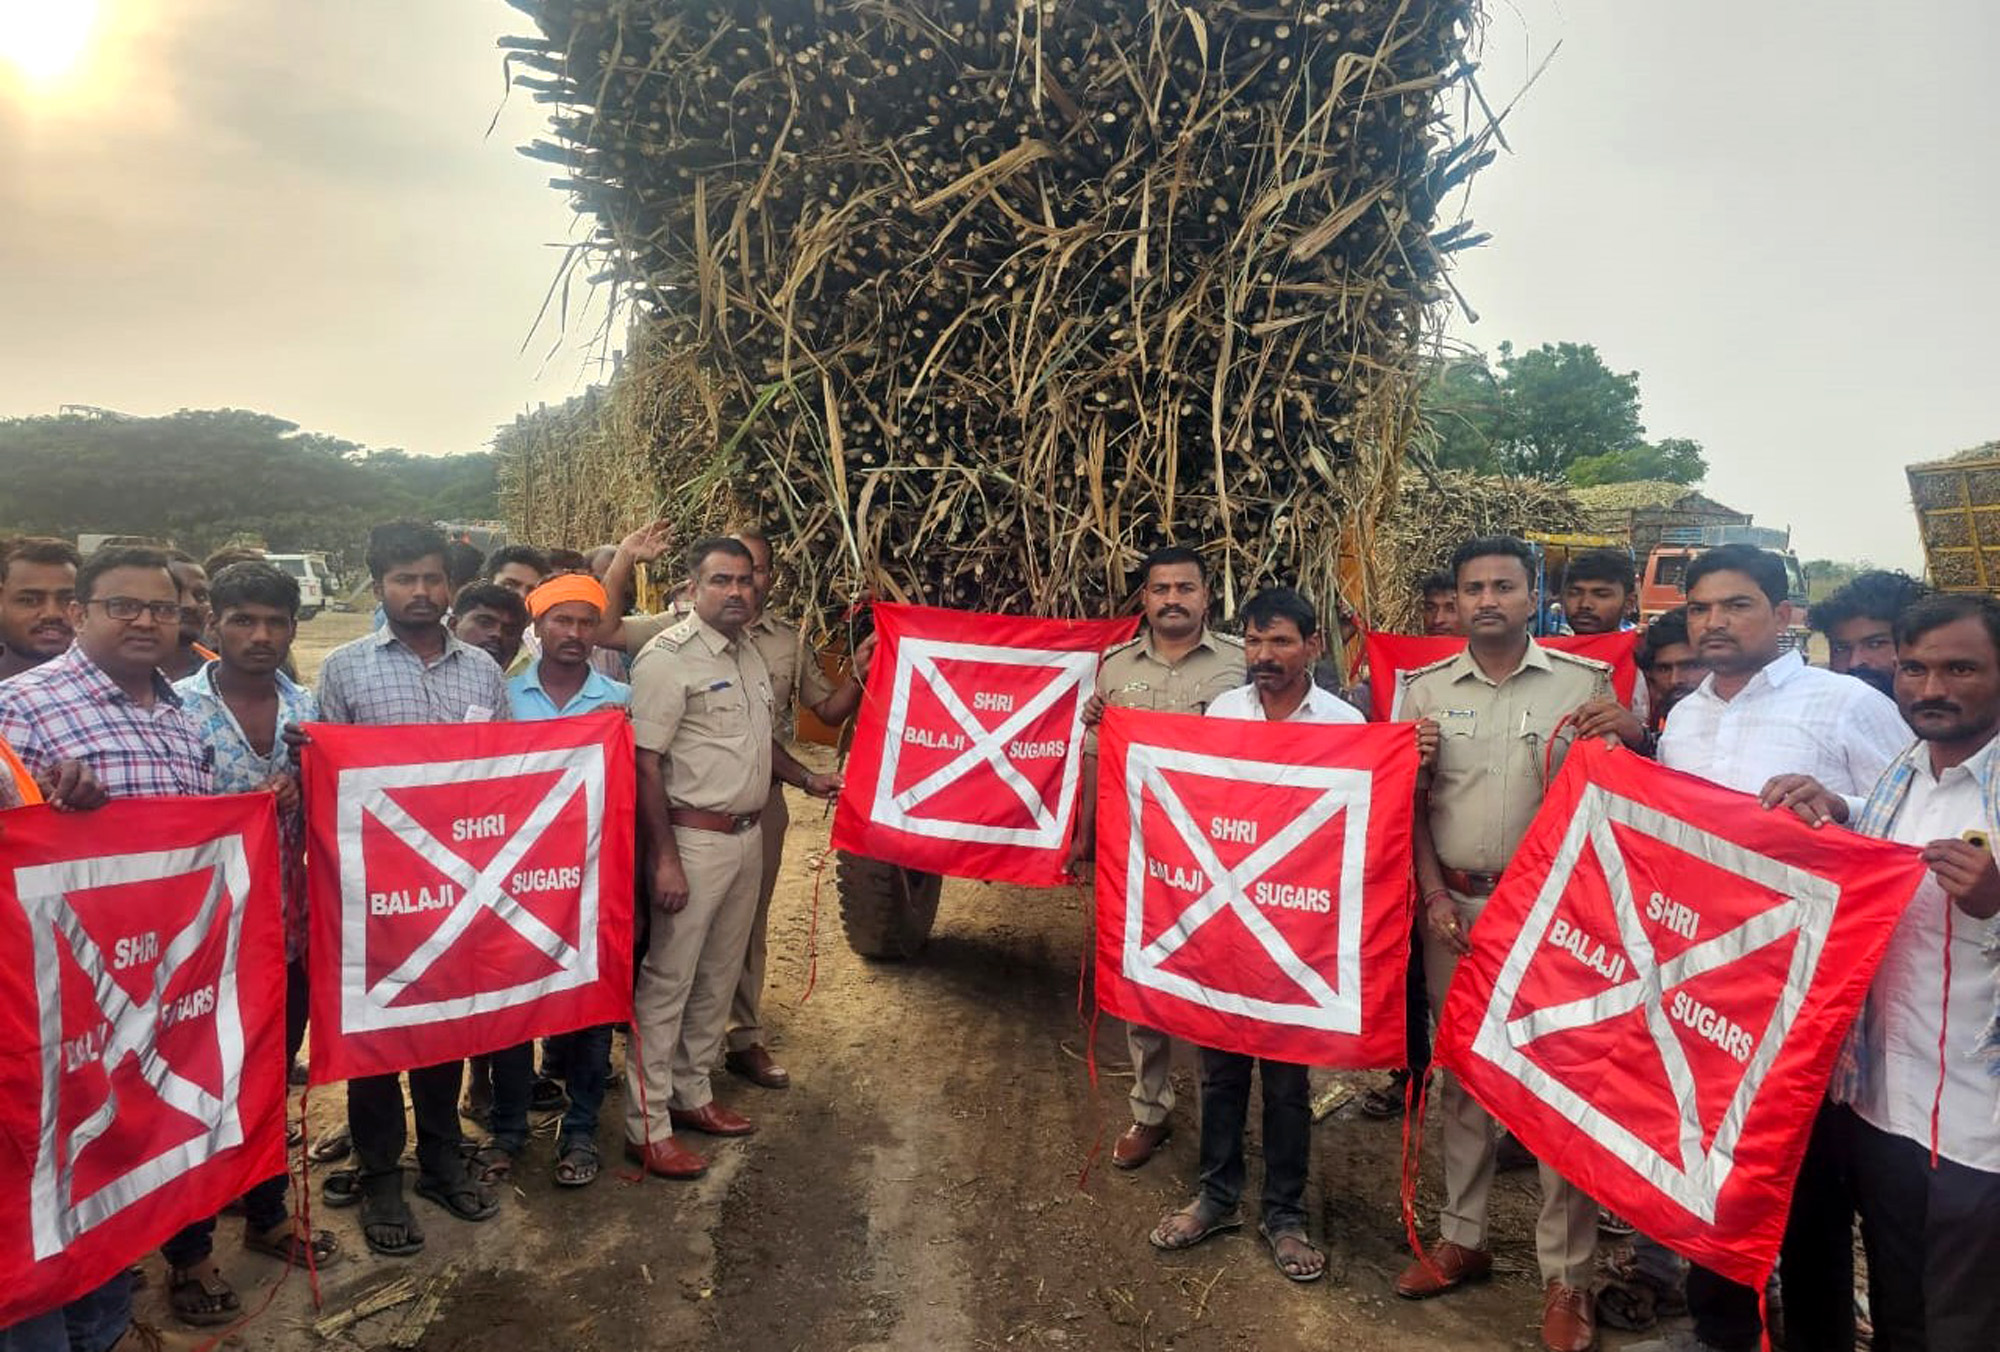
1779, 212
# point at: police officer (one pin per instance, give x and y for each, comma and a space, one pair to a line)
1501, 706
1177, 664
792, 666
701, 717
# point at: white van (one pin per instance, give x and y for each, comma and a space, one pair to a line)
315, 579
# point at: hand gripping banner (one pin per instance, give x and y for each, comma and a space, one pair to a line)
471, 887
142, 1031
968, 748
1253, 883
1658, 989
1391, 657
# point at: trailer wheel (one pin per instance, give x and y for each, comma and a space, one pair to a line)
886, 910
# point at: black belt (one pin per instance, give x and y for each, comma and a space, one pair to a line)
1470, 884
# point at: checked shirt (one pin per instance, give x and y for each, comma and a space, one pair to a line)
69, 709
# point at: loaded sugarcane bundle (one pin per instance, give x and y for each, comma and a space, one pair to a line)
1436, 512
982, 300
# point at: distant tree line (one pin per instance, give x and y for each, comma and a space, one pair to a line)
205, 478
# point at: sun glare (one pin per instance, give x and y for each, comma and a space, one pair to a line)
42, 39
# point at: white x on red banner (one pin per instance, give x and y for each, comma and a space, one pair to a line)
367, 791
59, 1216
1805, 906
1341, 790
1070, 676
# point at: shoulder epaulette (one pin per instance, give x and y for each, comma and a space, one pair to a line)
1131, 642
1592, 663
675, 636
1227, 640
1429, 667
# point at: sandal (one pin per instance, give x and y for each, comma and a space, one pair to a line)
547, 1096
462, 1197
289, 1243
489, 1162
340, 1188
576, 1162
386, 1222
1386, 1101
334, 1145
1630, 1306
1296, 1265
201, 1296
1171, 1238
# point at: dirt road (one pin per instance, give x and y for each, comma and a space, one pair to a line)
921, 1186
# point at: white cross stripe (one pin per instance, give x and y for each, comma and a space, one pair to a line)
1328, 1006
1805, 908
1227, 886
479, 889
918, 661
367, 791
988, 746
57, 1216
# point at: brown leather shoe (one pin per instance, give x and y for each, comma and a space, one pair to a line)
755, 1065
668, 1159
1136, 1144
1449, 1267
1569, 1320
713, 1119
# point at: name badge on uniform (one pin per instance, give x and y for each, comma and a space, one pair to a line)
1457, 722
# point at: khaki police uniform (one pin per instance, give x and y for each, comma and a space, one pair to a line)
1486, 787
793, 668
1134, 676
704, 702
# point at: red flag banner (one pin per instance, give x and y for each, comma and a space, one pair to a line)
1658, 989
1391, 657
1253, 883
968, 748
471, 887
142, 1031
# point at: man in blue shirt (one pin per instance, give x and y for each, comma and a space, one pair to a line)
561, 683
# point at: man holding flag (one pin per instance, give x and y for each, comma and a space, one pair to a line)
1802, 738
1176, 665
1280, 644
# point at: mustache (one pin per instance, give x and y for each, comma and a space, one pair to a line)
1266, 669
1936, 706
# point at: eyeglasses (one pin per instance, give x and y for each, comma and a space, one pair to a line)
128, 608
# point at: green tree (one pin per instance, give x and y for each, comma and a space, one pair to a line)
201, 478
1553, 412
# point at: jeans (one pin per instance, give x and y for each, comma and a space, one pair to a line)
586, 1071
375, 1118
1225, 1112
1816, 1271
90, 1323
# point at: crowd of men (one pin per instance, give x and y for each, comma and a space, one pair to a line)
142, 672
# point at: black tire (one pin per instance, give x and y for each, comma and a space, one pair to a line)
309, 613
886, 910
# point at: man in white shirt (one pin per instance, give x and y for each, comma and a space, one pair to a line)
1922, 1070
1802, 738
1281, 642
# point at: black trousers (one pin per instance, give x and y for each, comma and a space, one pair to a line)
375, 1118
1816, 1265
1417, 1006
1933, 1243
1225, 1114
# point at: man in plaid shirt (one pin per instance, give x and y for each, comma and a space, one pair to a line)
105, 704
411, 670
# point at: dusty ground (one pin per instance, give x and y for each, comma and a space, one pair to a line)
923, 1185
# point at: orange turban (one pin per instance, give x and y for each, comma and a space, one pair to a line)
567, 587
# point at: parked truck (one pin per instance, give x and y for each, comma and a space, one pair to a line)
1957, 502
